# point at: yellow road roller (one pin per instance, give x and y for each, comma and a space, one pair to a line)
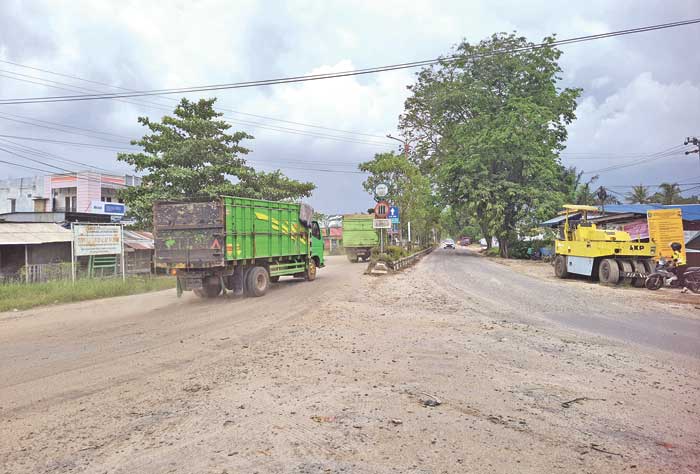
610, 256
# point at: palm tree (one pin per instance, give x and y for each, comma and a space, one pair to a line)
638, 195
668, 193
584, 193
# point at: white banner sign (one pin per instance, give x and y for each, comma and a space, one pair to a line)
92, 239
381, 223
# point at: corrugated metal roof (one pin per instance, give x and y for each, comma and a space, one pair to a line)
138, 240
33, 233
690, 212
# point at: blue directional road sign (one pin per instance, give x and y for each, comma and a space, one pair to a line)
393, 213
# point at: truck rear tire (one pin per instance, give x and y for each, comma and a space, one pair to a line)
609, 272
258, 281
211, 288
560, 269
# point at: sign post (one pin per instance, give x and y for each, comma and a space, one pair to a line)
121, 228
72, 252
97, 239
381, 224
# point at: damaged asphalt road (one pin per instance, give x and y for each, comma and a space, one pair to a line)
336, 375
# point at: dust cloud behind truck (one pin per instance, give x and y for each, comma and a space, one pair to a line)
359, 236
235, 243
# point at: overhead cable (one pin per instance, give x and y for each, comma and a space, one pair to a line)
356, 72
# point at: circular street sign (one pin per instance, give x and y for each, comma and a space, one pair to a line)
381, 210
381, 190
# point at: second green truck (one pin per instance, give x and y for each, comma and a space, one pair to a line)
234, 243
359, 236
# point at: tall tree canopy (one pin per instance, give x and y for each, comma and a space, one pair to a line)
193, 154
490, 126
409, 189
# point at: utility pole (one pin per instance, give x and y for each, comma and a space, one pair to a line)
403, 142
692, 141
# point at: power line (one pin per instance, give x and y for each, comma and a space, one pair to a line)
672, 151
158, 106
63, 142
25, 166
66, 126
304, 124
58, 129
356, 72
32, 159
40, 153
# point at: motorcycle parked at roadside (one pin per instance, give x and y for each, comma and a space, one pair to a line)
663, 276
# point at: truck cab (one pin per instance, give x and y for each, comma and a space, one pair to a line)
317, 244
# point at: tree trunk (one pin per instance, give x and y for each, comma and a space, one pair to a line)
503, 246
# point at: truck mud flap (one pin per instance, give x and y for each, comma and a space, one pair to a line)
190, 283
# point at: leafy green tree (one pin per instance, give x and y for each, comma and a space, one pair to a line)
193, 154
409, 189
638, 195
669, 193
489, 127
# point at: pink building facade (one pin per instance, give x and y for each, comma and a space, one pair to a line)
76, 192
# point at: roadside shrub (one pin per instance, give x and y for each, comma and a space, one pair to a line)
391, 253
519, 249
395, 252
492, 252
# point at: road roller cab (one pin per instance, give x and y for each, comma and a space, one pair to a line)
610, 256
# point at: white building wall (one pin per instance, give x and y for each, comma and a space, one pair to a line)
23, 191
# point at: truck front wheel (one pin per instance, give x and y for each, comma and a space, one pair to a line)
311, 271
258, 281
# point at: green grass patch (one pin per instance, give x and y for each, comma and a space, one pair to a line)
493, 252
24, 296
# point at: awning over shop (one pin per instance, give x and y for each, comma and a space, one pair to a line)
33, 233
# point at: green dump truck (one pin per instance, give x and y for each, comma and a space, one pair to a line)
359, 236
236, 244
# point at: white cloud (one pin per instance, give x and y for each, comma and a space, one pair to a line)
643, 117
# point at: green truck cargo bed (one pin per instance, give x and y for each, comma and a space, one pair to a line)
203, 234
358, 231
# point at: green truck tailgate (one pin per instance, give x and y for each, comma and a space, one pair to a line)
358, 231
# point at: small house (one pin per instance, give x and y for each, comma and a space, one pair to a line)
34, 252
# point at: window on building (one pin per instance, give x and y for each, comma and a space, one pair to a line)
109, 199
13, 205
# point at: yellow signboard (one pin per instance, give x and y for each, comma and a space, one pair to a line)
665, 227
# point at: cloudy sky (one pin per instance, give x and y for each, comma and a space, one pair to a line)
641, 92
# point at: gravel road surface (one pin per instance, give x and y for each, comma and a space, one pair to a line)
458, 364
